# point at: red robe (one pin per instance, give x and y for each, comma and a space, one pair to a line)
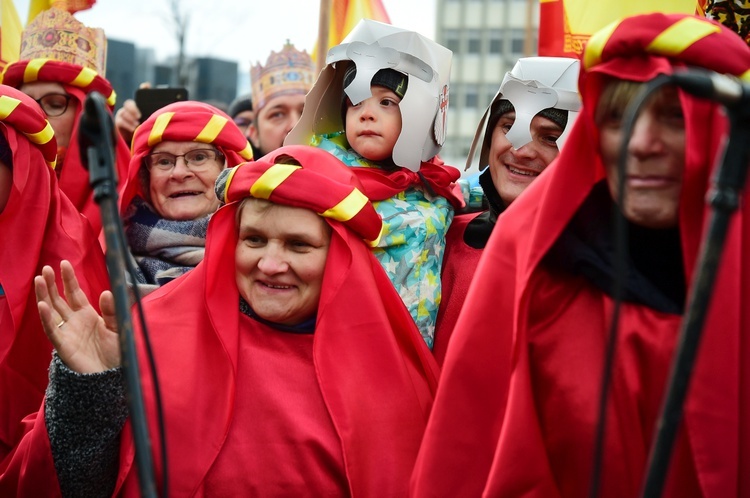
40, 227
364, 414
73, 176
459, 263
515, 413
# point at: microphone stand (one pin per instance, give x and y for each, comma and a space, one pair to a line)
724, 198
96, 139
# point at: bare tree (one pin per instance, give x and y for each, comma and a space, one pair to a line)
180, 20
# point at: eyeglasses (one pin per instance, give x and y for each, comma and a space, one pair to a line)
197, 160
54, 104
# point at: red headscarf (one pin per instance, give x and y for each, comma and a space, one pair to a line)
375, 373
516, 409
40, 227
78, 81
186, 121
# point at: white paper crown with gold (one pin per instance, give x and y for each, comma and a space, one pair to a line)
55, 34
288, 72
534, 84
373, 46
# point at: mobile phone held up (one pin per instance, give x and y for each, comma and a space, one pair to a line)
149, 100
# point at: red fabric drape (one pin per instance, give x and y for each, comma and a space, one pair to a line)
515, 411
40, 227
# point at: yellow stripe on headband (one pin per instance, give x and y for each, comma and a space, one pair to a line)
52, 164
209, 132
112, 99
681, 35
232, 171
348, 208
270, 179
43, 136
745, 76
31, 72
247, 152
7, 106
161, 123
374, 243
84, 78
595, 46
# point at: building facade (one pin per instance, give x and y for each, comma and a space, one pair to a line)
487, 37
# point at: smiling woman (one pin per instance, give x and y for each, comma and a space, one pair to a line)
169, 196
330, 399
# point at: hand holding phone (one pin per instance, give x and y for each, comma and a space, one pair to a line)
149, 100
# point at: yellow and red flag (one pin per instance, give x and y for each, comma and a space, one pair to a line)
10, 33
72, 6
343, 15
566, 25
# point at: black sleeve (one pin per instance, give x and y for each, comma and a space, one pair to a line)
85, 414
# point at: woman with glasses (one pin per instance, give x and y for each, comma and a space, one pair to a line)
59, 76
168, 197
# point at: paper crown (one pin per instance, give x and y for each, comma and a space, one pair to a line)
55, 34
288, 72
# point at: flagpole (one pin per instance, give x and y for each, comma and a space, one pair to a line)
528, 42
324, 24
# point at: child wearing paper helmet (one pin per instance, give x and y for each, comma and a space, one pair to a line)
380, 106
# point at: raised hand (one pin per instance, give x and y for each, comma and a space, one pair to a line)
86, 341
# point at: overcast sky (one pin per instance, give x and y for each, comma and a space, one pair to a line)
244, 31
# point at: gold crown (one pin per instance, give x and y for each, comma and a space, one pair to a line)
287, 72
55, 34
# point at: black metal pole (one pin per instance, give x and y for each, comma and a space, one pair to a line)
96, 132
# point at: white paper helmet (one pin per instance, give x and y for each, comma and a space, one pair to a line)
534, 84
373, 46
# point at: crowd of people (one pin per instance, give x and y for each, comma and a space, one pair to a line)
332, 310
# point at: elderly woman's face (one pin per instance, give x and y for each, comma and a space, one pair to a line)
58, 106
280, 259
655, 159
183, 191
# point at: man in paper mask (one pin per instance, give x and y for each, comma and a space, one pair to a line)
527, 122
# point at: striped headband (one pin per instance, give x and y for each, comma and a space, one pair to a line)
28, 71
191, 121
19, 111
320, 183
692, 40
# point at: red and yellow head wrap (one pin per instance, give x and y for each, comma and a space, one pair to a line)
29, 71
186, 121
320, 183
19, 111
686, 39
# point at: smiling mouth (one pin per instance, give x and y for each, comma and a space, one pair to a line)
183, 194
276, 286
522, 172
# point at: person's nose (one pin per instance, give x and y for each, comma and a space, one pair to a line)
292, 119
526, 152
273, 262
181, 169
366, 111
646, 139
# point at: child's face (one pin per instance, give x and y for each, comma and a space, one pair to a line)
374, 125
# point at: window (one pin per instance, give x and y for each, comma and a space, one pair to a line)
471, 99
496, 41
517, 41
452, 40
475, 41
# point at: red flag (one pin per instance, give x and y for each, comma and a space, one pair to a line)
566, 25
345, 14
72, 6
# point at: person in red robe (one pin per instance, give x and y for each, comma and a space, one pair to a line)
517, 407
61, 63
39, 227
165, 209
287, 364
